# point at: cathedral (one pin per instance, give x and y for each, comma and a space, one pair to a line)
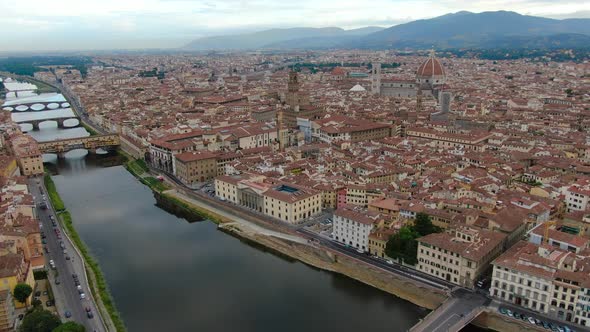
430, 78
430, 81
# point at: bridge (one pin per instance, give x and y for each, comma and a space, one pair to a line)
454, 314
90, 143
59, 119
34, 106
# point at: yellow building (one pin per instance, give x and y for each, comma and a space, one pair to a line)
8, 166
14, 270
378, 241
28, 155
292, 203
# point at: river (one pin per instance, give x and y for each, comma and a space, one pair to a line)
167, 274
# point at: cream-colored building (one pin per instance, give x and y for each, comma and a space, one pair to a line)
546, 278
287, 202
28, 155
460, 255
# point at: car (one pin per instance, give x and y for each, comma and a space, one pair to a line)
67, 314
79, 287
44, 241
57, 282
51, 262
503, 311
65, 252
538, 322
567, 329
80, 291
89, 315
509, 313
531, 320
49, 303
82, 296
21, 316
67, 257
58, 237
546, 325
45, 292
560, 329
46, 250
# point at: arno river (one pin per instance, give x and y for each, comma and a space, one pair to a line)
167, 274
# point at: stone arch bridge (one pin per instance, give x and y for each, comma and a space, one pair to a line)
90, 143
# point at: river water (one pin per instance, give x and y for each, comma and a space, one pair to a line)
166, 274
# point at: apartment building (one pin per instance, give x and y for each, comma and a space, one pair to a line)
577, 196
27, 153
352, 226
459, 255
195, 167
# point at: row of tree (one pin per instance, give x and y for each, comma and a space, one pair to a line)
403, 245
39, 320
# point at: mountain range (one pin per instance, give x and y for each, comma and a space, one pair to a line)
499, 29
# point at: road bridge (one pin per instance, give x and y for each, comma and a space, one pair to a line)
90, 143
454, 314
59, 119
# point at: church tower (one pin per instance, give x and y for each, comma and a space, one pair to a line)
376, 79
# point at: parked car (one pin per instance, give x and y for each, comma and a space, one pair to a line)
531, 320
82, 296
68, 314
57, 282
67, 257
89, 314
49, 303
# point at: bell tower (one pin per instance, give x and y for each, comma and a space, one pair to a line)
376, 78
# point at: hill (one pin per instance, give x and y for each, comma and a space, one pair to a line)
280, 38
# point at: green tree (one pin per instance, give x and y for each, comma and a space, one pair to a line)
70, 327
39, 321
22, 292
423, 225
402, 245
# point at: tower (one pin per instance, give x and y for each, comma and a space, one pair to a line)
293, 85
376, 79
419, 99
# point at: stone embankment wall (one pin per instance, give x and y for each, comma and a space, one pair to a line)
327, 260
495, 321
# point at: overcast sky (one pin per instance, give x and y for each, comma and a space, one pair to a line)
116, 24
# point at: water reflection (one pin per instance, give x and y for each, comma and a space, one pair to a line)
168, 275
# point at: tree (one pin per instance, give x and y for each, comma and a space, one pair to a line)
22, 292
402, 245
423, 225
39, 321
70, 327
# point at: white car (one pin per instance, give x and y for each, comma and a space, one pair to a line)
531, 320
82, 296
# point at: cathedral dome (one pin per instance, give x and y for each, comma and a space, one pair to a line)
431, 67
431, 71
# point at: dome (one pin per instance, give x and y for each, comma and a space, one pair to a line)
430, 68
357, 88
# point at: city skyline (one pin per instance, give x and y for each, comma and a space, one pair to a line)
93, 25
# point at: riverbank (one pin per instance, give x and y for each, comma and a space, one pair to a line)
297, 248
99, 286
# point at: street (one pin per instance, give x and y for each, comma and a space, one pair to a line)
67, 297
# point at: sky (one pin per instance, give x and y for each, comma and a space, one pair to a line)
29, 25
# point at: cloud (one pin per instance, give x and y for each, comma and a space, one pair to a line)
75, 24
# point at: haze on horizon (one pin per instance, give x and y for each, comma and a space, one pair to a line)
31, 25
